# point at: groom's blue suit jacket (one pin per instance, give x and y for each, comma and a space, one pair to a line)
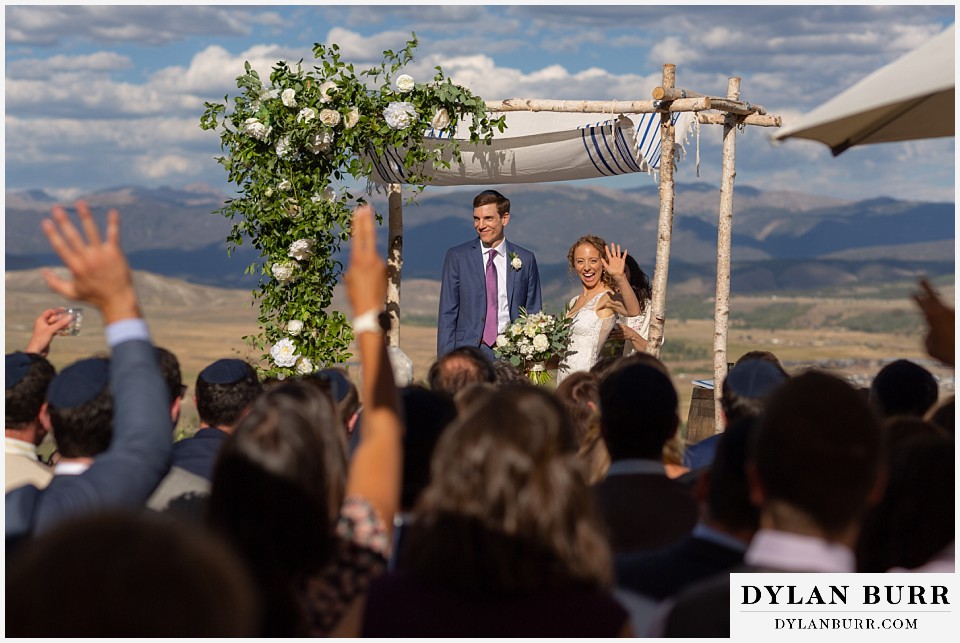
463, 293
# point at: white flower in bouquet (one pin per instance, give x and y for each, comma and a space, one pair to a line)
282, 271
305, 366
526, 350
353, 117
293, 209
541, 343
256, 129
326, 89
306, 115
330, 117
288, 97
405, 83
502, 341
294, 327
321, 142
285, 185
400, 115
301, 249
284, 353
440, 120
283, 147
530, 330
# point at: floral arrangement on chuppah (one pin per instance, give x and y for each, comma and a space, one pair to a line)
288, 144
535, 341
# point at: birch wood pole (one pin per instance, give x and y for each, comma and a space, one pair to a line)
693, 104
665, 224
721, 311
394, 262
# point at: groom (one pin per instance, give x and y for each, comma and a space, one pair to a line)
485, 281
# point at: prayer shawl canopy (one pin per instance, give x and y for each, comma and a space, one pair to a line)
537, 147
911, 98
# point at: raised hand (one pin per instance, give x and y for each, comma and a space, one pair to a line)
615, 262
99, 270
940, 338
44, 328
366, 277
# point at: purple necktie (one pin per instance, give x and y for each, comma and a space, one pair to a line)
490, 324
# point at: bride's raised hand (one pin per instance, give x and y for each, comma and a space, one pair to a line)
616, 261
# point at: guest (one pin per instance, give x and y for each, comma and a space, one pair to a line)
903, 387
138, 457
224, 392
505, 541
459, 367
27, 377
642, 507
580, 396
630, 335
473, 394
311, 544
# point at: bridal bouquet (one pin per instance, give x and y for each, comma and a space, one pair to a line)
532, 341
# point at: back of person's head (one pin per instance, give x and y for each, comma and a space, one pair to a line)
225, 389
579, 393
818, 448
902, 429
638, 412
507, 509
492, 196
81, 408
747, 385
471, 395
618, 363
462, 366
766, 356
277, 488
117, 575
170, 370
337, 384
427, 414
903, 388
506, 374
28, 375
728, 494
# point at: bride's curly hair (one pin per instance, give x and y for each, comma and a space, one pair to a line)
601, 246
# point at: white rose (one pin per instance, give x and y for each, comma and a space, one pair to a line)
328, 194
268, 193
541, 343
284, 353
440, 120
256, 129
405, 83
285, 185
530, 331
325, 90
289, 97
320, 142
330, 117
306, 115
353, 117
502, 341
516, 264
301, 249
282, 271
283, 147
400, 115
293, 209
294, 327
304, 366
267, 94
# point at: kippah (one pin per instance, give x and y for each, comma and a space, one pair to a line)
754, 378
79, 383
339, 386
225, 371
18, 365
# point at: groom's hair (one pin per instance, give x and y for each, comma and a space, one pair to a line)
492, 196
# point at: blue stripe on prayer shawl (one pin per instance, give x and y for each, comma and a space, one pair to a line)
624, 147
646, 139
596, 147
586, 148
609, 130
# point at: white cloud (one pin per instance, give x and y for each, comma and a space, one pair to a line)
168, 166
99, 62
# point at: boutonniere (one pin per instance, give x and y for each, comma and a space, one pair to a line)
515, 262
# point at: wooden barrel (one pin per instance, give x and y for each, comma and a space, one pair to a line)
700, 423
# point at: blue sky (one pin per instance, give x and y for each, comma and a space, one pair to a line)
102, 96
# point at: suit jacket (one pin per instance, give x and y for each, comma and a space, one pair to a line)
198, 454
463, 293
126, 473
645, 511
665, 572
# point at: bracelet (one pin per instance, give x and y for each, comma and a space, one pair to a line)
368, 322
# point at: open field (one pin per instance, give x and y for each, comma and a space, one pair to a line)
202, 324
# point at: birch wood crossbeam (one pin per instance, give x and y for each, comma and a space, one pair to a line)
598, 106
723, 104
762, 120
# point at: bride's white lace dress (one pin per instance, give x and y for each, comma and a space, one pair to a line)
588, 334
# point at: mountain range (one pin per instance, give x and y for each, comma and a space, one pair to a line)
781, 240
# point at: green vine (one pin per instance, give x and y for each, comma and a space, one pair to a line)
289, 145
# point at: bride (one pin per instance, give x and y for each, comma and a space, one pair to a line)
606, 289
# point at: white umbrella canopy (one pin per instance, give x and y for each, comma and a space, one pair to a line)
911, 98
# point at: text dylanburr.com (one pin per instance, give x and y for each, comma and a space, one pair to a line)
846, 607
